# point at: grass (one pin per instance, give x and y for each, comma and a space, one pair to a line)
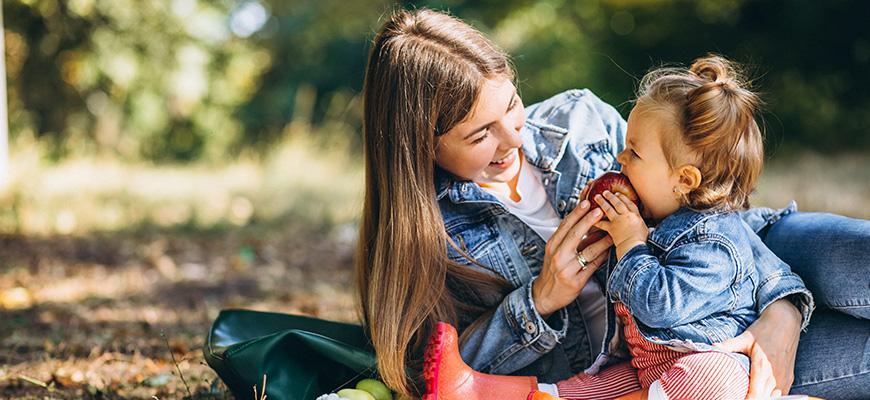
81, 195
838, 184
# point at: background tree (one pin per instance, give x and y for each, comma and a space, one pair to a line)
192, 79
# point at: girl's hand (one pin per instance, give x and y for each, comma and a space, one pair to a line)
626, 226
771, 344
562, 276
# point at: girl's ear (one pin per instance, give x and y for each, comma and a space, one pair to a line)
690, 178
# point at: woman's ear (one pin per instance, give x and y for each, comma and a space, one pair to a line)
690, 178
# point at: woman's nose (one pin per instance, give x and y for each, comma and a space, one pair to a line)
511, 138
510, 132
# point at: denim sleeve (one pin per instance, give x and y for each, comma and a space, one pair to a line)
776, 279
692, 283
514, 335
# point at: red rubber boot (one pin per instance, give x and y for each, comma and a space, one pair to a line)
449, 378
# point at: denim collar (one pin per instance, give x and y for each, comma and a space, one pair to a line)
541, 148
543, 144
677, 225
458, 191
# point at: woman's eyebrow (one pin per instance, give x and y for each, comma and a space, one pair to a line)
514, 95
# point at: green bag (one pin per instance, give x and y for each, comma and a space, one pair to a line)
302, 357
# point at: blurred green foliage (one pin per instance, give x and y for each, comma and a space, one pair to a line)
180, 80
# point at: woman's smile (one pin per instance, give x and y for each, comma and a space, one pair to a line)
505, 162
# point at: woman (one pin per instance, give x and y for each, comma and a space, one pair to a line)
447, 236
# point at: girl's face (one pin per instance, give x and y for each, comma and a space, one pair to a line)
644, 162
484, 146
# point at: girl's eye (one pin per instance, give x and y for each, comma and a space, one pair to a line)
480, 139
634, 153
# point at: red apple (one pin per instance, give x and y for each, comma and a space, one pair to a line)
615, 182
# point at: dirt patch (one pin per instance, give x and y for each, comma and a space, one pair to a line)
101, 316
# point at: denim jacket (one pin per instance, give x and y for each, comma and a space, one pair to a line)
693, 282
571, 138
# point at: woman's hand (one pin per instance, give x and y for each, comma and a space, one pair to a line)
562, 276
771, 344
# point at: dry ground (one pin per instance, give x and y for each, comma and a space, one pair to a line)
97, 317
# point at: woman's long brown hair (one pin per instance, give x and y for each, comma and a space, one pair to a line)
424, 74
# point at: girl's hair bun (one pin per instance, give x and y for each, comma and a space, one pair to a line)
715, 69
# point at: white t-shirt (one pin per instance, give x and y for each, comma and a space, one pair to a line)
534, 210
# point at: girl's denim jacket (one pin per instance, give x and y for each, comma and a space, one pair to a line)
572, 138
694, 282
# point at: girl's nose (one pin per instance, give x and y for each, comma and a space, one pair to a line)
622, 157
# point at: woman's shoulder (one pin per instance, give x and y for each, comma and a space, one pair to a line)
574, 117
566, 108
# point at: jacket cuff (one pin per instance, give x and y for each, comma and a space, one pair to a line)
622, 277
788, 284
532, 329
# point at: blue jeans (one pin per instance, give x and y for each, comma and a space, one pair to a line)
832, 255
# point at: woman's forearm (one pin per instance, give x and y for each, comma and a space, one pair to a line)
784, 312
513, 335
775, 338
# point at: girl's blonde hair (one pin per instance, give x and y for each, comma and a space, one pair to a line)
715, 114
425, 72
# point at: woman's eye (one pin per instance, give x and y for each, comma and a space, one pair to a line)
513, 103
480, 139
634, 153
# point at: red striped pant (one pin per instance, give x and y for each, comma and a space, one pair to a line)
696, 376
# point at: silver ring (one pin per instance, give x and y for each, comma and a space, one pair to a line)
582, 260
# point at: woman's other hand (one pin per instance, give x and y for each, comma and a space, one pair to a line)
771, 344
563, 276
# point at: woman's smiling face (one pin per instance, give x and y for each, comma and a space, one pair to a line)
484, 146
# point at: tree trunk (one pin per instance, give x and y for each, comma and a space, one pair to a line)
4, 116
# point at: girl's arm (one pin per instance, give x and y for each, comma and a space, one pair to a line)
691, 284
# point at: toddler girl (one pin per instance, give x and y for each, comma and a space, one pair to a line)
693, 153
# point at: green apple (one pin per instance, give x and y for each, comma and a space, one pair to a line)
376, 388
355, 394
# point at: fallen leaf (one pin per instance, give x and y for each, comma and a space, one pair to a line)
158, 380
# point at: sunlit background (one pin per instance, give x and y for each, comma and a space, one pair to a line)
170, 158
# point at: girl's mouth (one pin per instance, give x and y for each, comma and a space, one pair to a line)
505, 161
